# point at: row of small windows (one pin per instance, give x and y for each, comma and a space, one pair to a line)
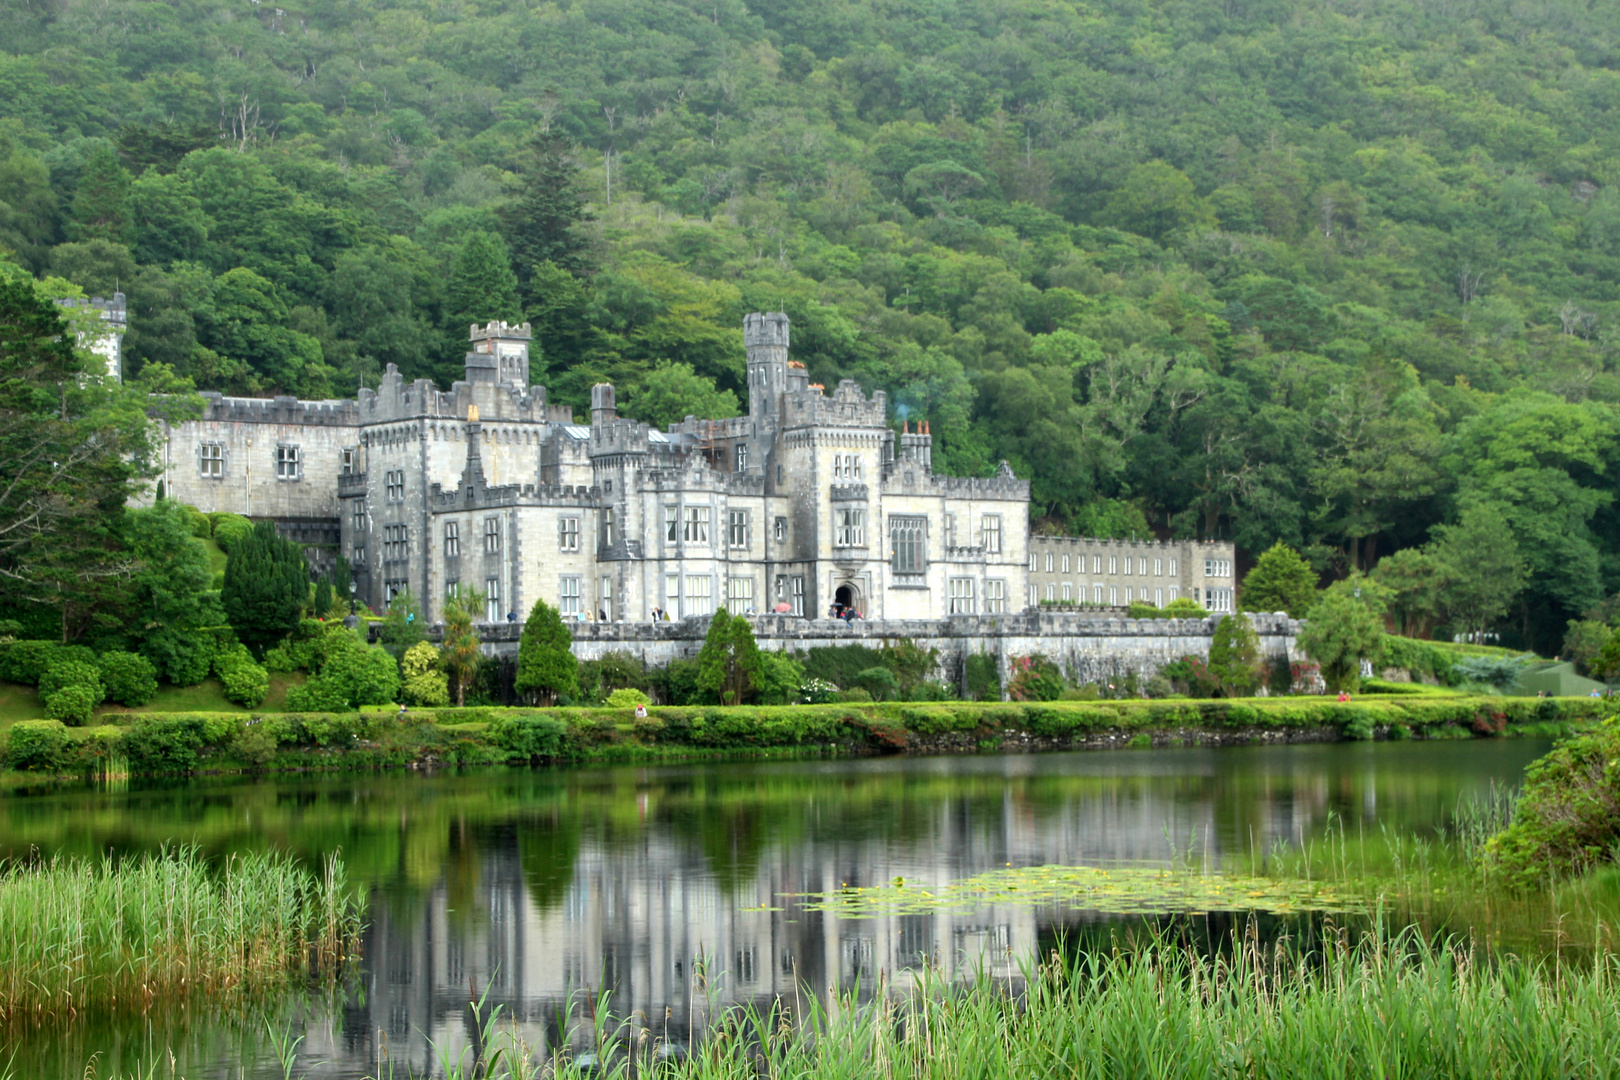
847, 467
1071, 593
288, 461
1116, 565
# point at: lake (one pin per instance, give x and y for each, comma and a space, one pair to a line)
680, 888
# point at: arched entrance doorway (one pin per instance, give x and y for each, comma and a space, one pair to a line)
847, 601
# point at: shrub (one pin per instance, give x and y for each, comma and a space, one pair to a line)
229, 528
878, 682
817, 692
73, 703
37, 745
184, 659
350, 674
65, 673
529, 735
1034, 678
983, 677
1357, 725
257, 743
855, 694
129, 678
1568, 815
26, 661
628, 698
197, 522
424, 683
246, 683
1184, 607
164, 744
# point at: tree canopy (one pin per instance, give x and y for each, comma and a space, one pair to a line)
1321, 276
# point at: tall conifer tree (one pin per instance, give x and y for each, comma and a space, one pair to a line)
542, 222
266, 586
546, 663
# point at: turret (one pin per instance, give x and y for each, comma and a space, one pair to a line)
766, 338
500, 354
603, 409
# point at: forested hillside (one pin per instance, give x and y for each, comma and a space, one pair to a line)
1331, 272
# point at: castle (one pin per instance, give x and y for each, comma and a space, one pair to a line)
808, 505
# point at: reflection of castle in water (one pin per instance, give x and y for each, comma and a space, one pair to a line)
634, 915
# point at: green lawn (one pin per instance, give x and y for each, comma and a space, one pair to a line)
18, 703
216, 557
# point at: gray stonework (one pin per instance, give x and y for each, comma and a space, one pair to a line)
1089, 648
808, 502
1078, 571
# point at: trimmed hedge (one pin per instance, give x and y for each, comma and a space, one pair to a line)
380, 738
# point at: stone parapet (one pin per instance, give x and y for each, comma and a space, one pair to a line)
279, 410
1089, 647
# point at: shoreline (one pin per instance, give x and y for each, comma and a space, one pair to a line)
213, 744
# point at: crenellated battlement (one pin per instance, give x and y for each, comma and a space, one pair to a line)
847, 407
442, 500
979, 487
279, 410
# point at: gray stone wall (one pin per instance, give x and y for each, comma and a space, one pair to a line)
1088, 648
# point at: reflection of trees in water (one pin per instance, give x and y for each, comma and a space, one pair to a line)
538, 883
548, 848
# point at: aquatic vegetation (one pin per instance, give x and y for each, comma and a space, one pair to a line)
1126, 890
81, 935
1386, 1007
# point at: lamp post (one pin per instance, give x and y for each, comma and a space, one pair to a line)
353, 620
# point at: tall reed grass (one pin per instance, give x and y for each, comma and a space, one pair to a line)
80, 935
1384, 1008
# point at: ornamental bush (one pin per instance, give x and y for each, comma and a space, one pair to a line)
164, 744
529, 735
65, 673
627, 698
73, 704
37, 745
128, 678
25, 661
351, 674
246, 683
229, 528
424, 684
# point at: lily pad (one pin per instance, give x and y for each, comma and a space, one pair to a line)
1118, 890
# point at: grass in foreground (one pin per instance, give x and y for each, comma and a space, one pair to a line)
1386, 1008
80, 936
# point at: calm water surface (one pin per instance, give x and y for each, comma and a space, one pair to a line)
539, 884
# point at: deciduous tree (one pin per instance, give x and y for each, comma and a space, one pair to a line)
1279, 581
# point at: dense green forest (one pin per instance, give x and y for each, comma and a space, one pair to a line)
1331, 272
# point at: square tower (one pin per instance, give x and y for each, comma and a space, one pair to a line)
766, 338
500, 354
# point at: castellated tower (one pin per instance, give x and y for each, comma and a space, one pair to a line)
500, 354
766, 338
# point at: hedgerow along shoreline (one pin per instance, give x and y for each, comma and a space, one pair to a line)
157, 744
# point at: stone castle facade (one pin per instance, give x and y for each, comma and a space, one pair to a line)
807, 505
